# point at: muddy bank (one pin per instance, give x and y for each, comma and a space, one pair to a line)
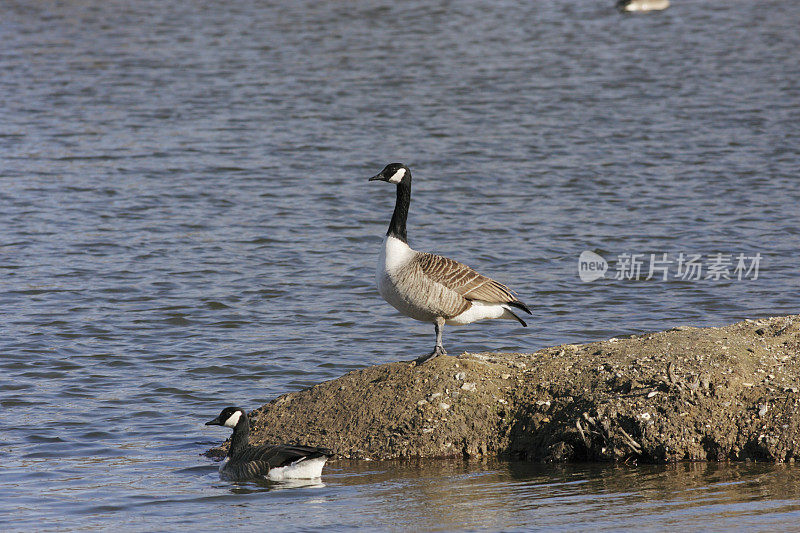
687, 394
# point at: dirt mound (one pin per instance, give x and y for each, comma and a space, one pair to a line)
687, 394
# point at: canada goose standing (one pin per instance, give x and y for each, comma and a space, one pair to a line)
273, 462
642, 5
429, 287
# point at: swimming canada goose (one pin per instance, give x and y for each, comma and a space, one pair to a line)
642, 5
429, 287
273, 462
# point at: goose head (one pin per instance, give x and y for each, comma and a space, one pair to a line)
229, 417
393, 173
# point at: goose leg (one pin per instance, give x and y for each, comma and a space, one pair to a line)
439, 349
438, 327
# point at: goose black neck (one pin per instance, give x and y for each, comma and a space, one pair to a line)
240, 438
397, 226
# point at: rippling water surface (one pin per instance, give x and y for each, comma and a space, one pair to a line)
186, 224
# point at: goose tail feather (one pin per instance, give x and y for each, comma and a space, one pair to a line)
512, 314
521, 305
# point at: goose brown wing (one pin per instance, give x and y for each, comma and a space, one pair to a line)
465, 281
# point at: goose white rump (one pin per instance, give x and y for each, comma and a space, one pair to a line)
302, 469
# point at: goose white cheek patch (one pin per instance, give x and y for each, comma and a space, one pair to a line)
233, 420
397, 176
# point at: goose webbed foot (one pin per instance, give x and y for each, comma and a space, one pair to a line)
439, 350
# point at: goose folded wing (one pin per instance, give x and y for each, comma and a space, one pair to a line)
464, 280
284, 455
247, 469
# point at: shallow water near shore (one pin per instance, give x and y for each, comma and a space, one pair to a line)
187, 225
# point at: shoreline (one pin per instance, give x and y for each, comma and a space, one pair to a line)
687, 394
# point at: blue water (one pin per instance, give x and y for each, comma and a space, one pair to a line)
186, 224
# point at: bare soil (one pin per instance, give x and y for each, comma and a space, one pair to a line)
687, 394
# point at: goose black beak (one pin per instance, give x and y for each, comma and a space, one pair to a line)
215, 422
377, 177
